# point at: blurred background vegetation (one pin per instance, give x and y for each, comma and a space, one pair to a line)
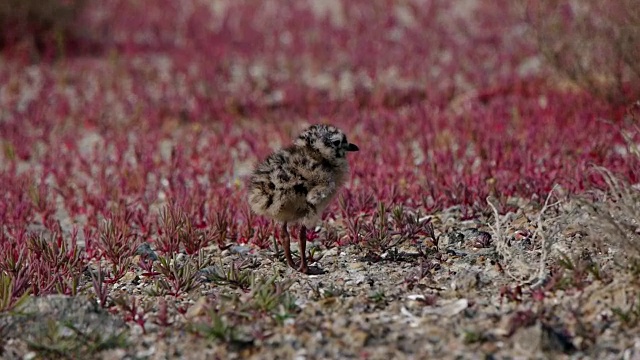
594, 44
42, 26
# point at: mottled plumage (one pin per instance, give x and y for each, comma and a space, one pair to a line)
295, 184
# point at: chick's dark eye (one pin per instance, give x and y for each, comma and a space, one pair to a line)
336, 142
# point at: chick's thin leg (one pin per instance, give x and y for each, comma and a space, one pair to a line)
286, 244
303, 249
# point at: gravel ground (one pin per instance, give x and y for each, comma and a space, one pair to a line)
469, 297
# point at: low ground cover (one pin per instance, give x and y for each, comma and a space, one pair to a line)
491, 210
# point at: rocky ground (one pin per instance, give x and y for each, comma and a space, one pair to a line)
473, 293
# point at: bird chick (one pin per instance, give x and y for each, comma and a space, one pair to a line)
295, 184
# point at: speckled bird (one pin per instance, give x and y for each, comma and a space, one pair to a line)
295, 184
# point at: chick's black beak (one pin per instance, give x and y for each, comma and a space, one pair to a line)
352, 147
